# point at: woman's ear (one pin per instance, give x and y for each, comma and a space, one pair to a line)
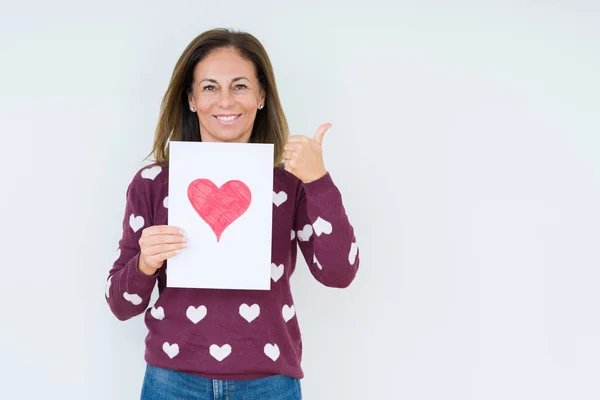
191, 101
261, 102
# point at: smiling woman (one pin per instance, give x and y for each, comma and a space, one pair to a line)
216, 344
226, 95
223, 88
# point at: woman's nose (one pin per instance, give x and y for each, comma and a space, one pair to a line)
225, 98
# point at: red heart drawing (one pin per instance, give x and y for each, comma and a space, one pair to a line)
219, 207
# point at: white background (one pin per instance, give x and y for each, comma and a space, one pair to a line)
241, 259
465, 140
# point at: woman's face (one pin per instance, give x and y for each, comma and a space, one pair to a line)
226, 96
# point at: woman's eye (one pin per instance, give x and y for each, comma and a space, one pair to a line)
208, 87
240, 87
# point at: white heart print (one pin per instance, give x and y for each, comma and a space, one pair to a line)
151, 173
158, 313
317, 262
276, 272
133, 298
136, 222
272, 351
279, 198
220, 353
353, 253
288, 312
171, 349
166, 202
107, 286
293, 235
321, 226
305, 233
196, 314
249, 313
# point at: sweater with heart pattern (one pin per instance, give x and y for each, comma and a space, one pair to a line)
232, 334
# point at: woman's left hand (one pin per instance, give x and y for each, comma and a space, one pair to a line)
303, 156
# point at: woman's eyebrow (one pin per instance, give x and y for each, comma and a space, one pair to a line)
233, 80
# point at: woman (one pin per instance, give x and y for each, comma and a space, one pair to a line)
234, 344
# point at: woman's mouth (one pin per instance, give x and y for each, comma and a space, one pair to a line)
228, 118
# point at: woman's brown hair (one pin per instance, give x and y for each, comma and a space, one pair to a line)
178, 123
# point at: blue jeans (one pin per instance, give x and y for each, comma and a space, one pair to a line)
164, 384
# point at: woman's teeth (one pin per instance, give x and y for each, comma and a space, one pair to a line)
230, 118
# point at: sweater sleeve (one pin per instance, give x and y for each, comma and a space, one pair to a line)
127, 289
325, 235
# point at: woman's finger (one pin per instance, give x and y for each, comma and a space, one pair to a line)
289, 165
162, 239
167, 255
288, 155
164, 248
146, 241
295, 147
164, 230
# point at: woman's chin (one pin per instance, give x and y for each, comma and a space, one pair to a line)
228, 137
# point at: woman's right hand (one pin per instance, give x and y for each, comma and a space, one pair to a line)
158, 243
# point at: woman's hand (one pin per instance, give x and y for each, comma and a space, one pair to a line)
158, 243
303, 156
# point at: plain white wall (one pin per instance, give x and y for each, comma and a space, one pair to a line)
466, 143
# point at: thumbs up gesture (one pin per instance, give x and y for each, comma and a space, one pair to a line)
303, 155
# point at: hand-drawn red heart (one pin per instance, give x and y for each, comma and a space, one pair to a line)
219, 207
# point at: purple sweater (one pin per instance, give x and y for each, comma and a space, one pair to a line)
233, 334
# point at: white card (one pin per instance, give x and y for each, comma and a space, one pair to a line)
221, 195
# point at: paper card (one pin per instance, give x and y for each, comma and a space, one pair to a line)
221, 195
